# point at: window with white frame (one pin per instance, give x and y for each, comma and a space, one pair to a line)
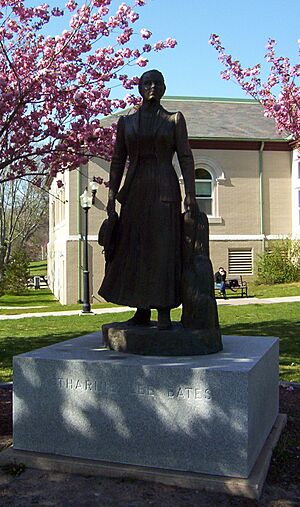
204, 190
240, 261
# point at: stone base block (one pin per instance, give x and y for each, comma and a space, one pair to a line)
204, 414
250, 487
150, 341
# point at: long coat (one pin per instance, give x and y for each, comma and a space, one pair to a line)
145, 271
170, 136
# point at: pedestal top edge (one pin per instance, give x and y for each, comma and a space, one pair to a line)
241, 352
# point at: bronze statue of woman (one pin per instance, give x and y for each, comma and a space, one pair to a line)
145, 271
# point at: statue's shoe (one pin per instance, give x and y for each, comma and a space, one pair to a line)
164, 320
138, 322
141, 318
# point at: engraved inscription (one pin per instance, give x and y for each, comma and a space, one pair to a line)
142, 390
189, 393
145, 390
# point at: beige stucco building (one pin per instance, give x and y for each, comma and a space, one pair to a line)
247, 181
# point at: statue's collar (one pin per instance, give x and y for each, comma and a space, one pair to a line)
159, 118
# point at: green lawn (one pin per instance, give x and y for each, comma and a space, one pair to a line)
19, 336
34, 298
282, 320
44, 297
269, 291
38, 268
273, 291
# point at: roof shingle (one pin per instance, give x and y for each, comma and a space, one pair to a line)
224, 118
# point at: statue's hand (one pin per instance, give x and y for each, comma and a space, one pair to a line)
190, 204
111, 207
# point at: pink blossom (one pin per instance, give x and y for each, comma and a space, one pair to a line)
133, 16
71, 5
136, 53
279, 94
171, 43
130, 99
225, 74
158, 45
142, 62
65, 82
145, 34
57, 12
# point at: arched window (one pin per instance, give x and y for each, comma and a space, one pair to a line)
204, 190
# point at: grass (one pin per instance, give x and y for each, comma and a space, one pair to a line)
35, 298
45, 298
282, 320
273, 291
30, 298
38, 268
19, 336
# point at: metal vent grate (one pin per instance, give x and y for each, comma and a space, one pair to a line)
240, 261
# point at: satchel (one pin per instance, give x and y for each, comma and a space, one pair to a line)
107, 235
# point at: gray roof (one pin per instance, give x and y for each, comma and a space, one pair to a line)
224, 118
217, 118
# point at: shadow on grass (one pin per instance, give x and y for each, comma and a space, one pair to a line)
38, 264
11, 346
41, 334
50, 330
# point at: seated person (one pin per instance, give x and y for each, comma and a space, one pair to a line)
220, 277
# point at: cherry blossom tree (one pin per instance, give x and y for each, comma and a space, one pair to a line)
279, 94
54, 90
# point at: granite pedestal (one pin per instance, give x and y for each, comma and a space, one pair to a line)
203, 414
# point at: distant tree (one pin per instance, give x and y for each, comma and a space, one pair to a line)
36, 245
279, 94
55, 89
16, 274
23, 208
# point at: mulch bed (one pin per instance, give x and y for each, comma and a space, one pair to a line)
284, 471
285, 463
5, 417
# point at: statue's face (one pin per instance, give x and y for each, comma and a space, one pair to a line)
152, 86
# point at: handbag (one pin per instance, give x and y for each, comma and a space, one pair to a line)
107, 235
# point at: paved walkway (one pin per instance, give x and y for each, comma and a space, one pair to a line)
120, 309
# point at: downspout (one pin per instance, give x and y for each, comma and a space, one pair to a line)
79, 233
293, 197
261, 195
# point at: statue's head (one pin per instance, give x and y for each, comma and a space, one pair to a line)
152, 85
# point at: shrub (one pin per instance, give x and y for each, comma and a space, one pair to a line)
16, 274
280, 263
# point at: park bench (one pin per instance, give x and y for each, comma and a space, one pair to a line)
38, 282
235, 285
